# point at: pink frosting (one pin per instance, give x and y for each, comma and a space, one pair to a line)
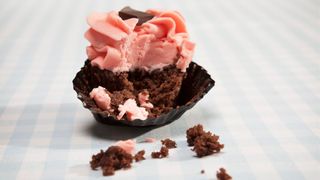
143, 98
101, 98
150, 140
132, 110
119, 45
127, 145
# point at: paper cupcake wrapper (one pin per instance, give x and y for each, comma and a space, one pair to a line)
194, 87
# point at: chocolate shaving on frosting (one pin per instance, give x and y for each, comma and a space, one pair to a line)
127, 13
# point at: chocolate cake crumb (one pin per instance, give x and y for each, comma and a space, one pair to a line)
95, 160
112, 159
202, 171
156, 155
108, 170
207, 144
163, 87
139, 156
169, 143
119, 97
164, 152
193, 133
223, 175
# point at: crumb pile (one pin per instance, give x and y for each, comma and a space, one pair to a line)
223, 175
119, 156
193, 133
112, 159
205, 143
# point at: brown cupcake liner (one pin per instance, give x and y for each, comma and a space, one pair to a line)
194, 87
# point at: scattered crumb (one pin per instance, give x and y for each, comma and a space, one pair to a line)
193, 133
150, 140
108, 170
156, 155
169, 143
207, 144
164, 152
95, 160
139, 156
112, 159
119, 157
223, 175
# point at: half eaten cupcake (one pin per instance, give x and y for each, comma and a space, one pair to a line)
139, 67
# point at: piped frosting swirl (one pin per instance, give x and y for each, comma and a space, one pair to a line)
122, 45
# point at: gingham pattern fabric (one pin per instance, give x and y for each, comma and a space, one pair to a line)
264, 56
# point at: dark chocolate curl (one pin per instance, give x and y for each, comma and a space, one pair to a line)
127, 13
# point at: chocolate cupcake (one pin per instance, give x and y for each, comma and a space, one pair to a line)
139, 70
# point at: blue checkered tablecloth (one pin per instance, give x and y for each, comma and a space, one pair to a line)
263, 54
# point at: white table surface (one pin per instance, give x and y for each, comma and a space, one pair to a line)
264, 56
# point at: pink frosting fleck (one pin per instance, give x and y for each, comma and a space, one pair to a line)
143, 98
127, 145
132, 110
119, 45
150, 140
101, 98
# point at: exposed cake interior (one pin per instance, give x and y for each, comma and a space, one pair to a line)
161, 86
